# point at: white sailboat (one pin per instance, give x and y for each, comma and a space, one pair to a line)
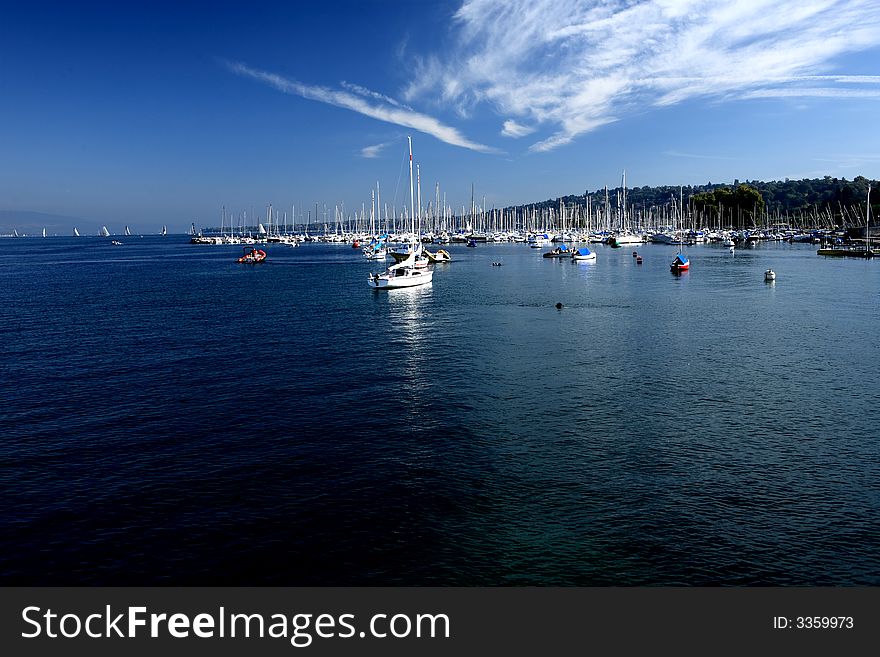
44, 232
105, 232
127, 232
680, 262
409, 272
164, 230
75, 232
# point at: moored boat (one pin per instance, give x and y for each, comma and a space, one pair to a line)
402, 274
413, 270
440, 255
375, 252
855, 250
847, 252
252, 256
561, 251
583, 254
680, 263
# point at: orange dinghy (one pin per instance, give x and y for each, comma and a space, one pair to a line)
252, 256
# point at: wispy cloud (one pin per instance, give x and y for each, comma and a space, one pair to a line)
814, 92
513, 129
373, 151
376, 107
571, 66
368, 93
850, 160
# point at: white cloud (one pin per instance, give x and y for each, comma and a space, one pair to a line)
356, 102
371, 152
570, 66
363, 91
513, 129
814, 92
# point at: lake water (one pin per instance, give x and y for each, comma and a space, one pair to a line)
171, 417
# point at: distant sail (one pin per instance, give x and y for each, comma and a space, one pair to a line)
261, 229
164, 230
127, 231
75, 232
105, 232
44, 232
14, 233
193, 229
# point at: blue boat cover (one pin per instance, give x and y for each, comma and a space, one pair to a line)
583, 251
562, 247
680, 259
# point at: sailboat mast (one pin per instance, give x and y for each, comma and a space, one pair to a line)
412, 202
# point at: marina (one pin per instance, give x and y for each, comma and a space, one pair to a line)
440, 325
549, 422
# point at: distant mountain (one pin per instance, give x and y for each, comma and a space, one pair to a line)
33, 223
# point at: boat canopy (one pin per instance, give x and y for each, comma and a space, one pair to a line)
583, 251
680, 259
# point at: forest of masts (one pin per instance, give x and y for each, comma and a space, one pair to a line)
588, 213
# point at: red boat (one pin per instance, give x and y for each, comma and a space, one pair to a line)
680, 263
252, 256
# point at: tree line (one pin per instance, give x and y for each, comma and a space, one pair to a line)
826, 201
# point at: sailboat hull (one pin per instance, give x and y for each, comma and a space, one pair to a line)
409, 279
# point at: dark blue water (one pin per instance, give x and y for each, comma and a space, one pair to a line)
168, 416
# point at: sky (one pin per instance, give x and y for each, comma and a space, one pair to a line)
150, 114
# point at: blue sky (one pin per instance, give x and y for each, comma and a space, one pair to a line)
161, 113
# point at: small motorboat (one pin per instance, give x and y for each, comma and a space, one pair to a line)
583, 254
116, 243
375, 252
252, 256
560, 251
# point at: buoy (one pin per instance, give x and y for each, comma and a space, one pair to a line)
638, 260
635, 254
558, 306
769, 275
732, 249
